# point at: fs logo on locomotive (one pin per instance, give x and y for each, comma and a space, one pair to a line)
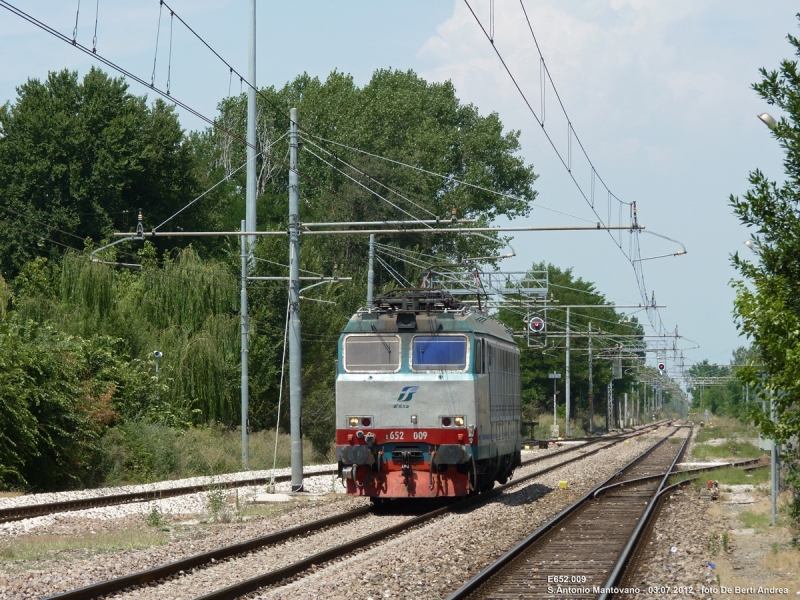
406, 394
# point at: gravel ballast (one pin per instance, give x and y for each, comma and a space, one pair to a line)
425, 562
436, 559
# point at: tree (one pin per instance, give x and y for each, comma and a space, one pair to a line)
79, 158
396, 115
767, 305
726, 395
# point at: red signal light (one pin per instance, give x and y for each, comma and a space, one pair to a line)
536, 325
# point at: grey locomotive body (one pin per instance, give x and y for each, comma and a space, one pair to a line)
427, 399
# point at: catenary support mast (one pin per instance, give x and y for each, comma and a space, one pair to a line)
371, 271
591, 384
245, 359
295, 357
567, 429
250, 191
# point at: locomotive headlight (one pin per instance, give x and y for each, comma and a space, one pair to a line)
459, 421
354, 421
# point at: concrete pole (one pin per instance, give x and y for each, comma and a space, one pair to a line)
371, 272
567, 429
295, 356
245, 358
625, 413
591, 384
250, 191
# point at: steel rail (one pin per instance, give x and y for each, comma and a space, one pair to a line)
587, 442
143, 577
160, 572
695, 470
484, 575
622, 562
29, 511
250, 585
634, 560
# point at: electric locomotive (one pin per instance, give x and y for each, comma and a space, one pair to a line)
427, 399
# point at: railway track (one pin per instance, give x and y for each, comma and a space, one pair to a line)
29, 511
583, 551
206, 559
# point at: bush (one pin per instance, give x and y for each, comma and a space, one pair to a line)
142, 452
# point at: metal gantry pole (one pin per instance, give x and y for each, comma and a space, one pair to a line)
591, 384
567, 428
610, 406
250, 190
625, 412
245, 360
295, 351
371, 271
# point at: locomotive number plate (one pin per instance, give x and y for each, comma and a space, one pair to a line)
395, 435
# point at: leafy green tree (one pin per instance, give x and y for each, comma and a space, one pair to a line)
767, 305
396, 115
726, 395
79, 158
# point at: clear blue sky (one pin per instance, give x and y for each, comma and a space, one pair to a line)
658, 92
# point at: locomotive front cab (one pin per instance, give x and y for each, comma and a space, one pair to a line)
405, 406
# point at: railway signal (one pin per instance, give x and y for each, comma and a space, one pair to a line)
536, 325
662, 367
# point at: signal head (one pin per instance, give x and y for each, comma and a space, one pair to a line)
662, 367
536, 325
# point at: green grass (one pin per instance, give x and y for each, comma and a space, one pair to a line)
47, 546
731, 449
753, 520
725, 427
726, 476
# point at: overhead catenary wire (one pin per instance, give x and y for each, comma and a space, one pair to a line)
112, 65
220, 182
158, 34
96, 18
446, 177
360, 172
242, 79
169, 60
567, 162
280, 396
371, 191
394, 274
75, 31
6, 5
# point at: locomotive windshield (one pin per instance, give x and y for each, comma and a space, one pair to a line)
378, 353
439, 353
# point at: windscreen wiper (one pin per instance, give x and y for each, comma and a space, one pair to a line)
433, 337
380, 337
